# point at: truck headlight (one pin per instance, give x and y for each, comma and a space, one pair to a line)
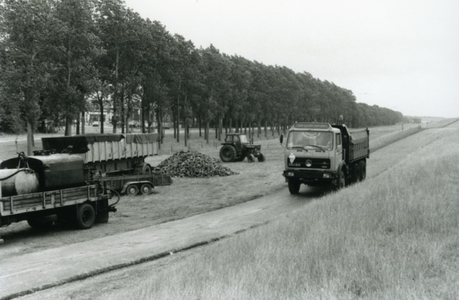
290, 174
326, 175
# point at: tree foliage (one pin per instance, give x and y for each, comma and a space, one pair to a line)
57, 54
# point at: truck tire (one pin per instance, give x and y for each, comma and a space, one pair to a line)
261, 157
227, 153
146, 169
341, 181
86, 216
145, 189
294, 186
132, 190
356, 173
363, 170
250, 158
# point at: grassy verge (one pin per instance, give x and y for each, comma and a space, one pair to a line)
393, 237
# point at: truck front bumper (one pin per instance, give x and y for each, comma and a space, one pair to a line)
310, 176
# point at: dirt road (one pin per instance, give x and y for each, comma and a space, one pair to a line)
49, 269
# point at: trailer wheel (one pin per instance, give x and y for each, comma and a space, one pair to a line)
145, 189
86, 216
294, 186
132, 190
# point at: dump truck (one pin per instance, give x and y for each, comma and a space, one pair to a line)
324, 154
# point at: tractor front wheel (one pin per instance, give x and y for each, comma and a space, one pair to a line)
261, 157
227, 153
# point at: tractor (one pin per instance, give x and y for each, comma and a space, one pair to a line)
236, 147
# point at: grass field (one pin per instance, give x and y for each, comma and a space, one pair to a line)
184, 198
391, 237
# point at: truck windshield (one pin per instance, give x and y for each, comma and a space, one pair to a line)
310, 139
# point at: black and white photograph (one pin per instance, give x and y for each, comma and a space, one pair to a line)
229, 149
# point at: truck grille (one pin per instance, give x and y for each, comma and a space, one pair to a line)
310, 163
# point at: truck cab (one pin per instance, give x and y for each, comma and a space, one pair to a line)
317, 154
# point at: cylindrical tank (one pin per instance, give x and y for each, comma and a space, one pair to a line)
23, 182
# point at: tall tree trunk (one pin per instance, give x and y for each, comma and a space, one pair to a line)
77, 130
30, 141
122, 114
207, 131
101, 111
83, 122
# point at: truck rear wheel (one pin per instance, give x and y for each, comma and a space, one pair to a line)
363, 170
356, 174
294, 186
227, 153
86, 216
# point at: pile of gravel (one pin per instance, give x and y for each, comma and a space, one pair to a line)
192, 164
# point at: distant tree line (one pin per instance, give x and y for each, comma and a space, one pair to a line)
59, 56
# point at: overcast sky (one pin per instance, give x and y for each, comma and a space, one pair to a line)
399, 54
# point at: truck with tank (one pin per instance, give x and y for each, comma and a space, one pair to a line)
73, 178
323, 154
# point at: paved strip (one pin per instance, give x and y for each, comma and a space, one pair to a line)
36, 271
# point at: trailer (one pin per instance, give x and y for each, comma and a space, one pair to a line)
132, 185
106, 154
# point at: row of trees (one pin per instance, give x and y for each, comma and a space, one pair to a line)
59, 57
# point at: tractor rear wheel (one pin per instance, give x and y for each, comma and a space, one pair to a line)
227, 153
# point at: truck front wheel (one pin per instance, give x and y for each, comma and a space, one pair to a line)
85, 216
293, 186
341, 181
